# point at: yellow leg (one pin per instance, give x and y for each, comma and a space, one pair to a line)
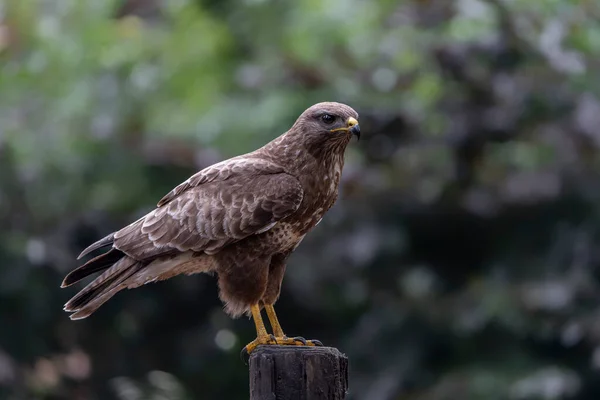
277, 331
280, 337
258, 321
262, 337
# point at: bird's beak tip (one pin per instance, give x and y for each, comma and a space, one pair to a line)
354, 127
355, 130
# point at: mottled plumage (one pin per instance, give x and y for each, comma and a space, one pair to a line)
240, 218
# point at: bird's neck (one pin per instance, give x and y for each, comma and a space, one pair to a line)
300, 158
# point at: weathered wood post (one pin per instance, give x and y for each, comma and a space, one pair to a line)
298, 373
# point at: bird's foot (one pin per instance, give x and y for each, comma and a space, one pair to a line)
250, 347
296, 341
281, 341
276, 340
261, 340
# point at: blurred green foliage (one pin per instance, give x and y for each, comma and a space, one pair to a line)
461, 261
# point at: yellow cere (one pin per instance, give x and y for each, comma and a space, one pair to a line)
351, 122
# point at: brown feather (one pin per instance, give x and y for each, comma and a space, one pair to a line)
94, 265
236, 166
241, 218
224, 214
117, 273
90, 301
106, 241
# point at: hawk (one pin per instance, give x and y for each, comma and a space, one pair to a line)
240, 218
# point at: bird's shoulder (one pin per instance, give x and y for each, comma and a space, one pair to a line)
245, 165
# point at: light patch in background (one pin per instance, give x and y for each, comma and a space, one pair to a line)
384, 79
547, 296
225, 339
551, 44
474, 9
36, 251
165, 382
547, 383
571, 335
3, 36
76, 365
250, 76
418, 282
7, 369
160, 385
596, 358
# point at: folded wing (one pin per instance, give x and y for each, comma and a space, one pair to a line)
210, 216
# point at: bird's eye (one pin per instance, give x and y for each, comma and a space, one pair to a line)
328, 119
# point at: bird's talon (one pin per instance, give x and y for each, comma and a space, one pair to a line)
275, 340
261, 340
245, 355
301, 340
296, 341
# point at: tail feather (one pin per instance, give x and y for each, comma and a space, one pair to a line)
85, 296
96, 264
106, 241
104, 295
102, 288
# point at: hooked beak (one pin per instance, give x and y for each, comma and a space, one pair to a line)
351, 126
354, 127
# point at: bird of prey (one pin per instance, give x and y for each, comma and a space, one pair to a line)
240, 218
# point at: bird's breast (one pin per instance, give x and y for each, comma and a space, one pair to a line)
284, 236
320, 180
315, 205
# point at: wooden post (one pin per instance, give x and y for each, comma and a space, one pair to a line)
298, 373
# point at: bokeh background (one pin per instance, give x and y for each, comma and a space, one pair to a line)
462, 260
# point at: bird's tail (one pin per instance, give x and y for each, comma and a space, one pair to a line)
118, 268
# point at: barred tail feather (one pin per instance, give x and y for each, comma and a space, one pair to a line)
90, 298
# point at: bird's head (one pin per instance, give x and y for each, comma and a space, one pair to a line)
329, 123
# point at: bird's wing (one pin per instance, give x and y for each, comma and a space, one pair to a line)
212, 215
238, 166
